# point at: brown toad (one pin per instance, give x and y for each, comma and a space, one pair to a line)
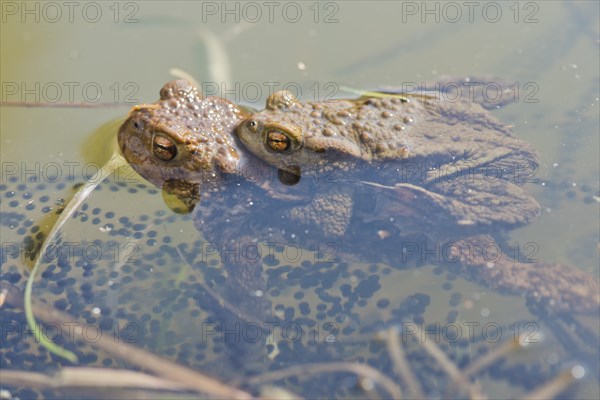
439, 201
455, 153
447, 170
184, 141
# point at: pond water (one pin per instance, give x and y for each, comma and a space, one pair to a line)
125, 272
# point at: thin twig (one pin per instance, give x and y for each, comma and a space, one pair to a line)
459, 379
489, 358
219, 66
401, 365
552, 388
3, 295
143, 359
62, 105
72, 377
362, 370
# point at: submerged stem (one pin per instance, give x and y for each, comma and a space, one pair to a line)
114, 163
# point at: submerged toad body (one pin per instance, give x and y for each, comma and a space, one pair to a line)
291, 134
168, 144
455, 156
185, 144
448, 170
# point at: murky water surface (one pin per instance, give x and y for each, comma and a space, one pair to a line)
144, 274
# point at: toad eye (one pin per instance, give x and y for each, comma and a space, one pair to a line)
252, 126
278, 141
164, 148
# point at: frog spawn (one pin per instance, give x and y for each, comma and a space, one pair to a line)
136, 297
330, 304
146, 295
